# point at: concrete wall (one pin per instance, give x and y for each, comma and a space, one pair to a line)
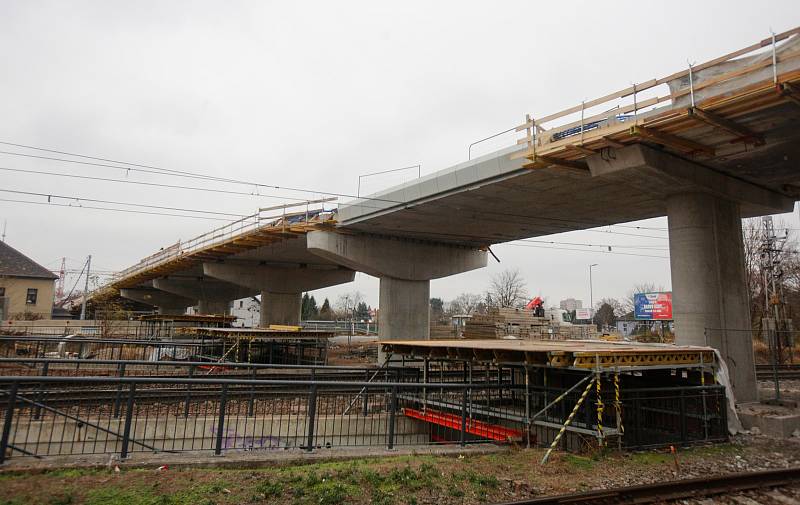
16, 289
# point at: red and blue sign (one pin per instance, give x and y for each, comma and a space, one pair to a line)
652, 306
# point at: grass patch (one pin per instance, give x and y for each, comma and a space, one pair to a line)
70, 473
270, 489
579, 462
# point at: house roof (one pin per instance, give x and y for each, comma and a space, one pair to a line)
15, 264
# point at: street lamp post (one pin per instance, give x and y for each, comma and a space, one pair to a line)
591, 294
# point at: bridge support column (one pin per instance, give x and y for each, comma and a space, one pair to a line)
166, 303
280, 308
215, 307
710, 298
405, 268
213, 296
404, 308
281, 286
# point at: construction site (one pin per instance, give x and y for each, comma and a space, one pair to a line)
139, 381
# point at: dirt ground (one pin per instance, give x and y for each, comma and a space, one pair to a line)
401, 480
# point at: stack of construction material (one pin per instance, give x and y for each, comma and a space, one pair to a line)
522, 324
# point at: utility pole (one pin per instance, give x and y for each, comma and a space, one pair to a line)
591, 293
62, 273
5, 223
771, 249
86, 287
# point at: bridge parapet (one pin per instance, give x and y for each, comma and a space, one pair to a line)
266, 226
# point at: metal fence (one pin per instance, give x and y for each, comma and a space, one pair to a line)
283, 351
280, 407
43, 367
776, 352
48, 416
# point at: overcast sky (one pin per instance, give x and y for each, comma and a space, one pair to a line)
310, 95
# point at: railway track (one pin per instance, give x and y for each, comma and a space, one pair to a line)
785, 372
736, 486
64, 398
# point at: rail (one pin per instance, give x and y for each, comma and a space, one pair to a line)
692, 489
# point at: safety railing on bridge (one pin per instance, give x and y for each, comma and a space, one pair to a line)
275, 217
624, 109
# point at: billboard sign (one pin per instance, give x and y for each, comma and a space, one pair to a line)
583, 314
653, 306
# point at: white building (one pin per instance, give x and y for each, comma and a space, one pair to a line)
570, 304
247, 312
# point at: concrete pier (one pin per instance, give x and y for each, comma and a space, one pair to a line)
166, 303
213, 307
280, 308
213, 296
710, 301
404, 308
281, 285
405, 269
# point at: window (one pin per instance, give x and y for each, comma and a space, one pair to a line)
31, 297
241, 304
2, 292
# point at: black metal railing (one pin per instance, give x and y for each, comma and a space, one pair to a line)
292, 407
279, 351
48, 416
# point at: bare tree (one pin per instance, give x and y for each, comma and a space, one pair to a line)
627, 304
346, 304
787, 258
616, 305
507, 289
466, 303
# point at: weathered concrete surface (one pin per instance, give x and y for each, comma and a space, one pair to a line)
164, 301
404, 309
666, 174
215, 307
710, 302
279, 278
280, 308
772, 421
213, 296
394, 257
280, 285
405, 268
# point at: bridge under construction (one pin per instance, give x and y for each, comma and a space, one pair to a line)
705, 146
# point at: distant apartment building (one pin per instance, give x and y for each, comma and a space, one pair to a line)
247, 312
570, 304
26, 287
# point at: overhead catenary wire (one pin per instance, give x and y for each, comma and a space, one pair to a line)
586, 250
188, 174
83, 199
222, 191
128, 211
219, 219
621, 246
